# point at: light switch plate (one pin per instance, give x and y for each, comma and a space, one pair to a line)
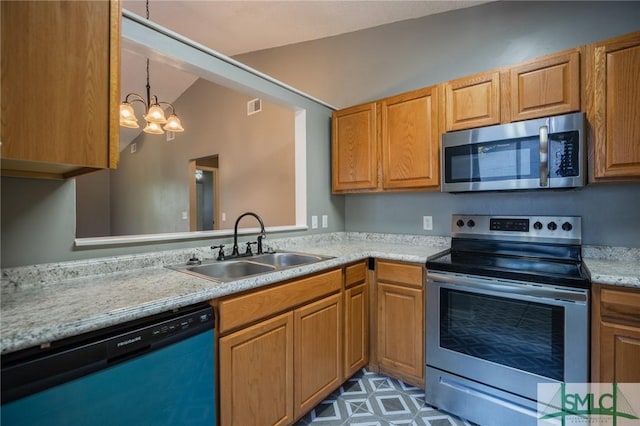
325, 221
314, 222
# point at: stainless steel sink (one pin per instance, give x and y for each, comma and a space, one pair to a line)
229, 270
284, 260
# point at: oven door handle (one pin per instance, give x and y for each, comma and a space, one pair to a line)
520, 289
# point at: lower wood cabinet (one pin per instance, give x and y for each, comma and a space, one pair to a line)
356, 319
317, 345
276, 370
256, 374
615, 334
400, 321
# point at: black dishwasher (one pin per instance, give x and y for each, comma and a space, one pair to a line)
153, 371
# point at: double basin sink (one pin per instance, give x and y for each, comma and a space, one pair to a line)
233, 269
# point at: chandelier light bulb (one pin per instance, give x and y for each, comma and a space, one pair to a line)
155, 115
127, 117
153, 128
173, 124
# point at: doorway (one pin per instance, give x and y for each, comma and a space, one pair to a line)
204, 205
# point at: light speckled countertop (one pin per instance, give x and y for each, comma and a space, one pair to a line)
43, 303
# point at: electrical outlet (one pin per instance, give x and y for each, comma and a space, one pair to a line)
325, 221
427, 223
133, 148
314, 222
185, 215
224, 217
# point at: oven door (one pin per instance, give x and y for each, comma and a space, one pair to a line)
508, 335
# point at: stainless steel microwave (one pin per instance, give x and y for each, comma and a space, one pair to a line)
532, 154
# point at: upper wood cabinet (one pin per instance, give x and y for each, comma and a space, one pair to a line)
613, 107
60, 87
389, 145
538, 88
410, 140
472, 101
354, 149
545, 86
615, 334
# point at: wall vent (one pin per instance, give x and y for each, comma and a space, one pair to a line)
254, 106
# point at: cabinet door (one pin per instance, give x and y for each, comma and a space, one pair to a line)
472, 101
615, 334
256, 374
620, 353
354, 149
318, 352
410, 140
60, 87
356, 334
400, 332
614, 93
546, 86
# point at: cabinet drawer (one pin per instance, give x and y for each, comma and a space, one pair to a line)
620, 306
355, 274
402, 273
241, 310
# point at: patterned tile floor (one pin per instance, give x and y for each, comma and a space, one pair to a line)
371, 399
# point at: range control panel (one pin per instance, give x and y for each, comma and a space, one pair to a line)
562, 229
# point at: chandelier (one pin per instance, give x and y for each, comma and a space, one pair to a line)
153, 112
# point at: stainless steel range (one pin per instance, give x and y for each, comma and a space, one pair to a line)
507, 308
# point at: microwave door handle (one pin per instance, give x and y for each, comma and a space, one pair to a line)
544, 156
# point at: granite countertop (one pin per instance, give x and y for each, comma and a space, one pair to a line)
43, 303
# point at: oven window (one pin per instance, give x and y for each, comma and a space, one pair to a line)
524, 335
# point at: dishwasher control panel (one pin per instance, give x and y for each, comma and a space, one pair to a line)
159, 334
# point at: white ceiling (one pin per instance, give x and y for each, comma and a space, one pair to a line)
240, 26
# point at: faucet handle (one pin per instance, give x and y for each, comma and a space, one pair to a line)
248, 252
261, 237
220, 252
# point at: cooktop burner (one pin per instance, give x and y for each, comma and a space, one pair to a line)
539, 249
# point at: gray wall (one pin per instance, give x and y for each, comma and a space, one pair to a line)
93, 204
370, 64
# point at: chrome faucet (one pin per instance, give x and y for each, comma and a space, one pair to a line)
263, 234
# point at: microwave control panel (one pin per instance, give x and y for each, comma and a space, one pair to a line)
563, 154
